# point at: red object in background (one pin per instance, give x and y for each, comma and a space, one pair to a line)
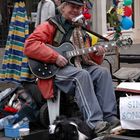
127, 11
10, 109
85, 11
87, 15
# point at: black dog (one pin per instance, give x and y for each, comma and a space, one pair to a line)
70, 129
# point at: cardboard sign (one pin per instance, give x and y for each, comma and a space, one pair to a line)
130, 112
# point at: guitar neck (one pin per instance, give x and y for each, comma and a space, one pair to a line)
77, 52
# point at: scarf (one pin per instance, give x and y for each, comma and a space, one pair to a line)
78, 42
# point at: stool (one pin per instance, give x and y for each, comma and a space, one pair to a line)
54, 107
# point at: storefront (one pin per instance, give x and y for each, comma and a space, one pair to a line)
100, 24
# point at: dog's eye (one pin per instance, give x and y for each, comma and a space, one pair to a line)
74, 132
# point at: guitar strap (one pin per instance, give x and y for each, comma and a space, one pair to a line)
79, 42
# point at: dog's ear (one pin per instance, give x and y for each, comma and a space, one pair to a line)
60, 118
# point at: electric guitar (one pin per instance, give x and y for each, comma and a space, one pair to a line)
46, 70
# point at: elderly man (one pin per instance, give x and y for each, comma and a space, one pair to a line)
91, 83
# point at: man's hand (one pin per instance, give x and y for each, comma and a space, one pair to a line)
101, 50
61, 61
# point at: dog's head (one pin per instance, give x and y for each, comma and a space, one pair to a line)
70, 129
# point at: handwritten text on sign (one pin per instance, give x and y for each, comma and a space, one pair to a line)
130, 112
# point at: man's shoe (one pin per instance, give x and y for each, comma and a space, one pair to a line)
115, 122
102, 128
116, 128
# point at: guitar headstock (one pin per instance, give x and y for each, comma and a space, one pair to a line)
119, 43
124, 42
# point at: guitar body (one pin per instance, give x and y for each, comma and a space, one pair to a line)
46, 70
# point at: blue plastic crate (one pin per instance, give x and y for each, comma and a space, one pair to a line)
14, 132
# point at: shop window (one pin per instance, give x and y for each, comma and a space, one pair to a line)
111, 18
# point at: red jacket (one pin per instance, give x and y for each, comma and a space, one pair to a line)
35, 47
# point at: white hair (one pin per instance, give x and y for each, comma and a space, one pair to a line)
60, 8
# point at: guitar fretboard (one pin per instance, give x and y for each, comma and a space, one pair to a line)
82, 51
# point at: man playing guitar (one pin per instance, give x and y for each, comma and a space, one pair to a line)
91, 83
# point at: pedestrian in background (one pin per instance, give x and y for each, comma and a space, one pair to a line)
57, 4
45, 10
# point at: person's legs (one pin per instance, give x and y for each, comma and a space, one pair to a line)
80, 79
104, 91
